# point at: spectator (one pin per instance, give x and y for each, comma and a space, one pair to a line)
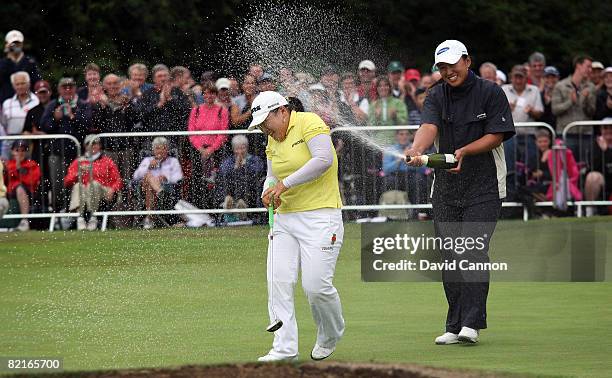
207, 148
287, 83
414, 116
234, 88
320, 103
394, 73
574, 99
240, 118
14, 110
500, 78
224, 97
23, 180
526, 104
596, 75
4, 204
349, 95
266, 83
598, 185
387, 110
488, 71
42, 90
426, 81
117, 116
330, 79
66, 115
95, 182
165, 107
540, 178
399, 175
603, 107
240, 178
158, 178
412, 78
207, 78
92, 90
137, 84
551, 78
15, 61
367, 83
566, 172
256, 70
536, 63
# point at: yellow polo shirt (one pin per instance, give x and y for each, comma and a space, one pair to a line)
291, 154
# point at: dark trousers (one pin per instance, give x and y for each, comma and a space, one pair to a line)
466, 291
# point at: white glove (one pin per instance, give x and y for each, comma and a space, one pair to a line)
270, 181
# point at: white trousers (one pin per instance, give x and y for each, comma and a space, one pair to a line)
310, 240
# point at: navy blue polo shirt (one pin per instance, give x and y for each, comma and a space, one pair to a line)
462, 115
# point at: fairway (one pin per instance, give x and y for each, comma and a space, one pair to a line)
171, 297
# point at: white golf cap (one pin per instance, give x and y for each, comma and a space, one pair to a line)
263, 104
14, 36
367, 64
222, 83
450, 51
501, 76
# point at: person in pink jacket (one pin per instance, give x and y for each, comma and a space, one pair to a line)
208, 116
572, 171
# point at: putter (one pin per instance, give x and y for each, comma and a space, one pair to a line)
276, 323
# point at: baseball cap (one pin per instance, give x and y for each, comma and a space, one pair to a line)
316, 87
223, 83
450, 51
42, 84
367, 64
597, 66
66, 81
265, 77
412, 74
329, 70
263, 104
499, 74
395, 66
20, 143
14, 36
551, 70
608, 70
91, 139
518, 69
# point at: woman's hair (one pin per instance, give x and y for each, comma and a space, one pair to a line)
239, 140
138, 67
543, 134
295, 104
210, 87
160, 141
381, 79
92, 67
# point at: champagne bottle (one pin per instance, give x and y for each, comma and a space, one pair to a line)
437, 161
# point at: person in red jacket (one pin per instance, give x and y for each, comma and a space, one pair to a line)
23, 179
98, 185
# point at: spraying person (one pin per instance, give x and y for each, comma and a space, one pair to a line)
470, 118
308, 229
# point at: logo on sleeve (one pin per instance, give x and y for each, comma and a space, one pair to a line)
482, 116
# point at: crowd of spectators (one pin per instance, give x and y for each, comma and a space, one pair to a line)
212, 171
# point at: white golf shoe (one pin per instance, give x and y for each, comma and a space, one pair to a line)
24, 225
468, 335
92, 225
81, 224
270, 357
447, 338
319, 353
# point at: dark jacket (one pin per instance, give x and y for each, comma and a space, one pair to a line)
8, 67
78, 127
170, 117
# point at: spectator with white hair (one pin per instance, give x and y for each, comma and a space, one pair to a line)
240, 178
15, 61
157, 179
15, 109
488, 71
137, 82
537, 62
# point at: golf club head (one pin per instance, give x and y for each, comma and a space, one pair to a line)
275, 325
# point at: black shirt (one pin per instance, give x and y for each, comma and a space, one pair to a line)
463, 115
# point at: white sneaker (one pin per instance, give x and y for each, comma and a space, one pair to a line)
274, 358
447, 338
468, 335
319, 353
92, 225
24, 225
81, 224
147, 223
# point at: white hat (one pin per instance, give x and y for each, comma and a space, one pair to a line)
368, 65
449, 51
316, 87
501, 75
14, 36
222, 83
607, 70
597, 65
263, 104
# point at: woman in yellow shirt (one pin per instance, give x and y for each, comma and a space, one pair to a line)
308, 229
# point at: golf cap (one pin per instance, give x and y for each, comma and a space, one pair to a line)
367, 64
14, 36
608, 70
263, 104
499, 74
265, 77
223, 83
395, 66
67, 82
518, 69
551, 71
412, 74
597, 66
316, 87
20, 143
449, 51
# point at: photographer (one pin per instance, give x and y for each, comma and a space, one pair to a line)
15, 61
